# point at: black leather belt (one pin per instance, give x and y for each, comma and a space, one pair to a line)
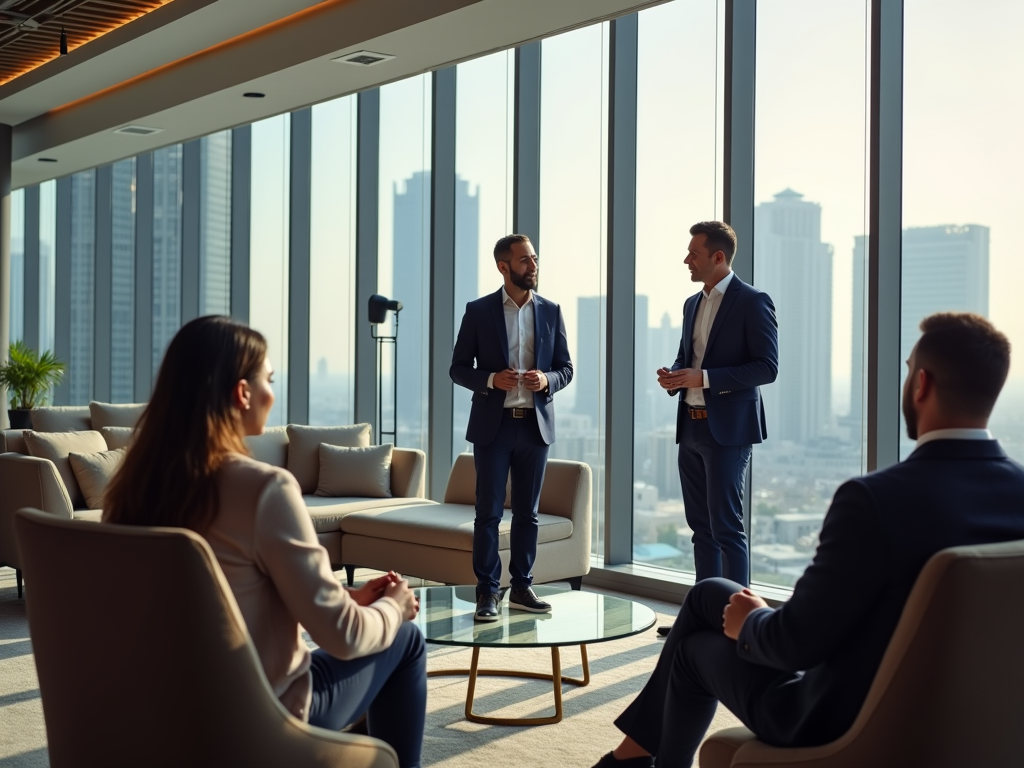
698, 412
517, 413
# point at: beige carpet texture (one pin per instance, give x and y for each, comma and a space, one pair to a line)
618, 670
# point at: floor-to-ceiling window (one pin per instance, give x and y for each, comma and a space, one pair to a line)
268, 249
963, 102
678, 184
572, 239
484, 131
810, 177
332, 311
404, 253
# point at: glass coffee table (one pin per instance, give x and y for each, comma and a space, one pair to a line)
576, 618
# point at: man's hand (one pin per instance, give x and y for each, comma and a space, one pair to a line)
399, 592
741, 604
506, 380
535, 380
684, 378
373, 590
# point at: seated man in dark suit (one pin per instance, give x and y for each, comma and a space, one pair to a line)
797, 675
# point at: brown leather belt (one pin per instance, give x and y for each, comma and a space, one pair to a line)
517, 413
698, 413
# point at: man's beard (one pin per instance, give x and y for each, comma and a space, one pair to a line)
525, 281
909, 414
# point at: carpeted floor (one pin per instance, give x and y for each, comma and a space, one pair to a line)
618, 670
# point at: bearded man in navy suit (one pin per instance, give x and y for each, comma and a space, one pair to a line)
729, 349
513, 355
798, 675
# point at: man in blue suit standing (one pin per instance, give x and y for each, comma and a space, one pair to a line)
798, 675
513, 355
729, 348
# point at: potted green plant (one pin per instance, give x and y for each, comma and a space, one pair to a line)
28, 378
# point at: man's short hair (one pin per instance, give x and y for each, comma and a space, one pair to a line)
720, 237
968, 359
503, 248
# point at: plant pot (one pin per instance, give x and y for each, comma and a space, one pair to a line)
21, 418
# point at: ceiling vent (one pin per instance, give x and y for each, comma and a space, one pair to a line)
138, 130
363, 58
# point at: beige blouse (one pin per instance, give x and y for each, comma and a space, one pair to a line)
281, 577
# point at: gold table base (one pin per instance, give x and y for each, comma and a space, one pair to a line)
556, 677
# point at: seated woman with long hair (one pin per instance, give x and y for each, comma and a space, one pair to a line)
188, 466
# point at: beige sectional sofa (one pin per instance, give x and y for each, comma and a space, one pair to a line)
378, 519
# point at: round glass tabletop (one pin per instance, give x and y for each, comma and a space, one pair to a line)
576, 618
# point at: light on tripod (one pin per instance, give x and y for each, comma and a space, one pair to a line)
379, 306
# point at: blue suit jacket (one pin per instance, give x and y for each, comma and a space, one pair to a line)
879, 532
742, 355
482, 349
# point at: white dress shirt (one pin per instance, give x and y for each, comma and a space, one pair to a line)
519, 326
953, 434
706, 312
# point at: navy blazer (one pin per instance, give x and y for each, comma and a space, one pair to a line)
482, 349
879, 532
742, 355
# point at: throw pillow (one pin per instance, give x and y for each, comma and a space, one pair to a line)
94, 472
271, 447
115, 415
304, 449
117, 437
56, 446
61, 418
362, 471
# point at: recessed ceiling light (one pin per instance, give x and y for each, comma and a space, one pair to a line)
363, 58
254, 95
47, 159
138, 130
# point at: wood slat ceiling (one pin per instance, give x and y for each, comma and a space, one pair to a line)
30, 29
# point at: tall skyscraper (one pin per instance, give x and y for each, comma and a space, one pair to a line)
795, 268
945, 269
83, 267
17, 317
166, 249
215, 224
122, 311
411, 286
589, 359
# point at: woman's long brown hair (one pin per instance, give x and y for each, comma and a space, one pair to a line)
188, 428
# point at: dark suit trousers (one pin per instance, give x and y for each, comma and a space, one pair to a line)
518, 447
712, 477
699, 667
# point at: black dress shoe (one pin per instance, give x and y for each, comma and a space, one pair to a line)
486, 607
527, 600
663, 631
609, 761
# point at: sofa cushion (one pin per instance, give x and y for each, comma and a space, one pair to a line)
447, 526
117, 437
304, 449
94, 472
56, 446
364, 471
328, 512
271, 447
61, 418
115, 414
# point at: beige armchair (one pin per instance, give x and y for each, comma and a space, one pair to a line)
948, 692
143, 657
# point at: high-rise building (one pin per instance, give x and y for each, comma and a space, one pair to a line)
215, 224
122, 275
794, 267
411, 286
589, 359
166, 249
83, 267
945, 269
17, 328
